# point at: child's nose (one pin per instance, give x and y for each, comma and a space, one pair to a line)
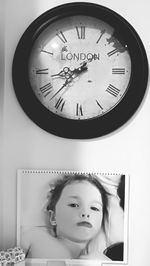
84, 215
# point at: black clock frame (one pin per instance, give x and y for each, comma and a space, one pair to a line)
90, 128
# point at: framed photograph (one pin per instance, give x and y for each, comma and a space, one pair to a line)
69, 218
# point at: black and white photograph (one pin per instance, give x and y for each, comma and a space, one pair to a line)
72, 215
74, 133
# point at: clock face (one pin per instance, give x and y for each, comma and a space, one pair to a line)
79, 68
80, 71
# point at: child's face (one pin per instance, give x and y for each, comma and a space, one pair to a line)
79, 212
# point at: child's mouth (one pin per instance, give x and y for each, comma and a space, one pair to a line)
85, 224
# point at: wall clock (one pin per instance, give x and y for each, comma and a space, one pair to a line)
80, 71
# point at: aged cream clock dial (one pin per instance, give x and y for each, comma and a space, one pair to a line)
76, 71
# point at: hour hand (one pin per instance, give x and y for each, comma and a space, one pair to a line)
81, 68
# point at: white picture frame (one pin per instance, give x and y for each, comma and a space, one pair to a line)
32, 187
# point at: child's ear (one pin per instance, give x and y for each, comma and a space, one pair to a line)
52, 217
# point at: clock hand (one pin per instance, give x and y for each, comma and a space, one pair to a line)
69, 75
81, 69
65, 73
64, 85
86, 62
83, 66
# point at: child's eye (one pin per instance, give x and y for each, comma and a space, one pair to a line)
73, 205
95, 209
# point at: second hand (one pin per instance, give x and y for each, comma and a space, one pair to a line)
64, 85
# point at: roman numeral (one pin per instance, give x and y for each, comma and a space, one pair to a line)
80, 32
101, 34
46, 89
118, 70
60, 104
113, 52
79, 111
42, 71
113, 90
99, 105
62, 37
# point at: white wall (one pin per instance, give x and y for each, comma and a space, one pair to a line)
25, 145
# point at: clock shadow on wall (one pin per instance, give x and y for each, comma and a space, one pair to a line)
80, 71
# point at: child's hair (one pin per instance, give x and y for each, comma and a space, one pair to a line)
121, 190
59, 185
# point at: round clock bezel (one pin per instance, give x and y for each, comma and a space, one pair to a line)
89, 128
